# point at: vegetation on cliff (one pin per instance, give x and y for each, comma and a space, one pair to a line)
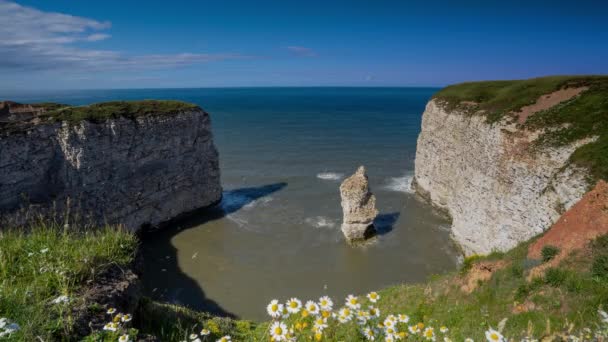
111, 110
45, 271
582, 116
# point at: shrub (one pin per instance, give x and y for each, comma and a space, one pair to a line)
549, 252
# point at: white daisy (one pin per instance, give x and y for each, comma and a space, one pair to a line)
373, 297
369, 334
193, 336
353, 302
389, 323
312, 307
494, 336
225, 339
124, 338
205, 332
274, 309
429, 334
325, 303
126, 318
604, 315
320, 324
374, 311
413, 329
278, 331
111, 311
468, 339
444, 329
111, 326
403, 318
293, 305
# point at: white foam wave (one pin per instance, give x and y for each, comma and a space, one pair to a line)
400, 184
330, 176
320, 222
260, 201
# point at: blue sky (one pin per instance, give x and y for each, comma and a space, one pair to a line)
69, 44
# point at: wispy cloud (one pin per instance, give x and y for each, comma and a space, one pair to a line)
302, 51
31, 39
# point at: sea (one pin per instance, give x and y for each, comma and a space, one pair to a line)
276, 234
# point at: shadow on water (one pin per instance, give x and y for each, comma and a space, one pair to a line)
384, 223
163, 278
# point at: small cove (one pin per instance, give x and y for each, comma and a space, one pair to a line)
276, 234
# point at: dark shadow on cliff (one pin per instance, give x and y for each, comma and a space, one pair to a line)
163, 278
384, 223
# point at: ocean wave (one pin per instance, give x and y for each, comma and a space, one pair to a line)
400, 184
320, 222
330, 176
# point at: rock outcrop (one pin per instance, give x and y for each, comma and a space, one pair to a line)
496, 189
358, 207
134, 170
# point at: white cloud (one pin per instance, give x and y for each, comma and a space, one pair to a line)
31, 39
302, 51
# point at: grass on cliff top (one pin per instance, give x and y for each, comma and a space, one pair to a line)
110, 110
581, 117
49, 261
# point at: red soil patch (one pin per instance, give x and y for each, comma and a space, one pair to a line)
547, 101
582, 223
480, 272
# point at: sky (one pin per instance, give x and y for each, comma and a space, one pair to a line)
71, 44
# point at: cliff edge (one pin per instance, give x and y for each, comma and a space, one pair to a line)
506, 159
133, 163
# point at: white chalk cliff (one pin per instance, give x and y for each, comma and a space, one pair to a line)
497, 191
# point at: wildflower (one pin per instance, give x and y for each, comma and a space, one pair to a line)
604, 315
374, 311
401, 335
391, 331
345, 312
325, 303
373, 297
117, 318
205, 332
312, 307
413, 329
320, 324
468, 339
318, 336
352, 302
274, 308
226, 338
124, 338
193, 336
420, 326
111, 326
126, 318
369, 334
278, 331
389, 338
447, 339
444, 329
293, 305
403, 318
389, 323
429, 334
111, 311
494, 336
60, 300
44, 251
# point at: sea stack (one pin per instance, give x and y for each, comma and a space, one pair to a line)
358, 207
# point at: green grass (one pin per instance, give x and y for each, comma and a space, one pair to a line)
48, 261
581, 117
110, 110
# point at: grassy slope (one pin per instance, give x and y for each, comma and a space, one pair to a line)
581, 117
50, 261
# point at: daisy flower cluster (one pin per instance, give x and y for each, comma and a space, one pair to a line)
7, 328
204, 334
316, 319
118, 324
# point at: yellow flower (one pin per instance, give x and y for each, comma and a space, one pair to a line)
318, 336
304, 313
325, 314
420, 325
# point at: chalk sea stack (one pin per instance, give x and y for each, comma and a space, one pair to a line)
358, 207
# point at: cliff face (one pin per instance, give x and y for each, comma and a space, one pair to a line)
487, 177
135, 171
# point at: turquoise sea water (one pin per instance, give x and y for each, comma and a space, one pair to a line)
283, 153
